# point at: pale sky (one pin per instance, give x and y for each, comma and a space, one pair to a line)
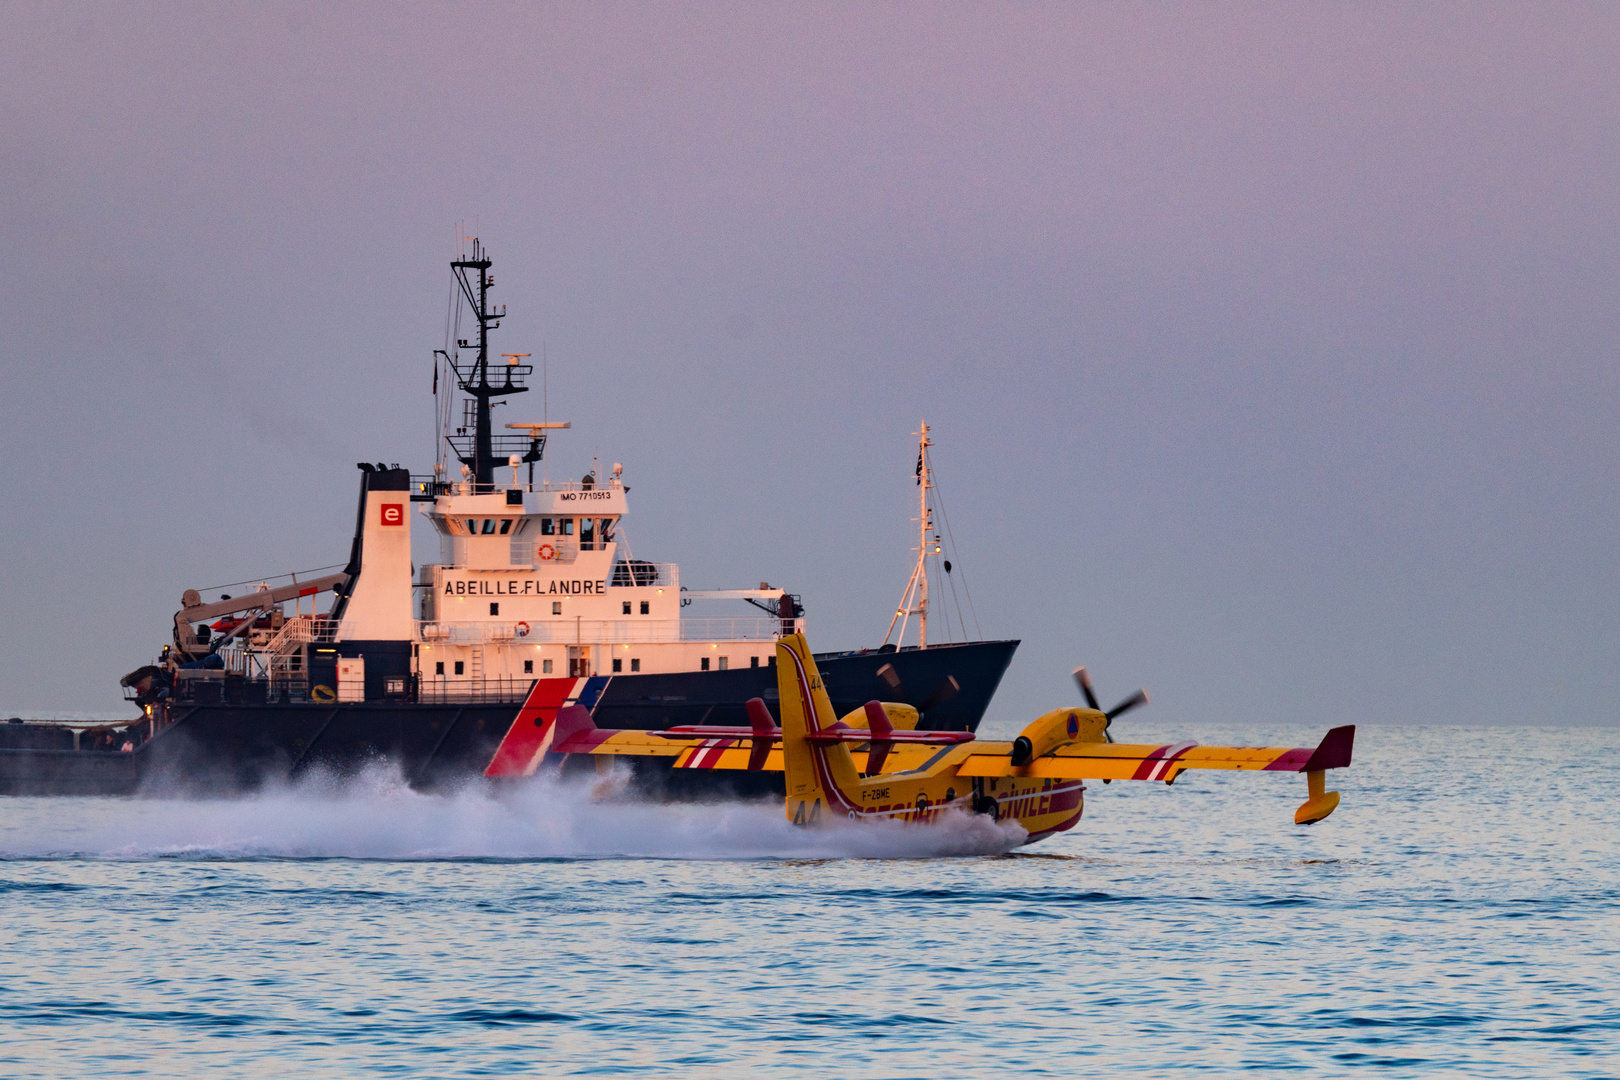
1269, 349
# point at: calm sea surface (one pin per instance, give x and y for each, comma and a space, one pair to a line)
1459, 915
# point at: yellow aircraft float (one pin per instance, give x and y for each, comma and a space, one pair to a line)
874, 765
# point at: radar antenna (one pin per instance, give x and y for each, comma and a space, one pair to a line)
483, 450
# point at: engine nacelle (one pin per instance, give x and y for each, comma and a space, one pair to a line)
901, 717
1056, 728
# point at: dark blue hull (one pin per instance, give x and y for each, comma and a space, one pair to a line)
230, 747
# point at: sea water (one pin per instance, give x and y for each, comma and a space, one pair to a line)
1458, 915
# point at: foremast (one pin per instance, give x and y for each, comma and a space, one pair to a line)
914, 601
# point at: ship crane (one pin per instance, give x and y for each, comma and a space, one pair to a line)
193, 610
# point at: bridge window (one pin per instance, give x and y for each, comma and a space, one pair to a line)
506, 526
548, 527
472, 527
489, 526
566, 525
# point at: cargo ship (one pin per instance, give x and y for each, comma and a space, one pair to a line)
534, 598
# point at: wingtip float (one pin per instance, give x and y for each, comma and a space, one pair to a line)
873, 765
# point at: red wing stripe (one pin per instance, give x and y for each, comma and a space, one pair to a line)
706, 754
712, 752
1291, 760
1155, 763
1148, 762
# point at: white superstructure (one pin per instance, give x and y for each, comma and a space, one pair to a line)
532, 581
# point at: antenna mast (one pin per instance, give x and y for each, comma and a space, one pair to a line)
483, 450
914, 601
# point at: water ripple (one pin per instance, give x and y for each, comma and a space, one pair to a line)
1471, 930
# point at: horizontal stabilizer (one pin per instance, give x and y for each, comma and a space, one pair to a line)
832, 735
704, 731
856, 735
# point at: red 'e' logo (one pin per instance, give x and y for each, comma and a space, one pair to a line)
393, 514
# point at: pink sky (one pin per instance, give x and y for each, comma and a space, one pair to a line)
1270, 347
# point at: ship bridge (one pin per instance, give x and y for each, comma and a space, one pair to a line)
538, 579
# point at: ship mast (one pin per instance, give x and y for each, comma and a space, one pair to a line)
483, 451
914, 601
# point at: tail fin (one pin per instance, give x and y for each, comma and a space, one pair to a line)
818, 776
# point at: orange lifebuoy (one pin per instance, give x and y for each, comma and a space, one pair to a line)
522, 629
546, 552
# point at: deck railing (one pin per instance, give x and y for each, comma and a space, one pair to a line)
632, 572
491, 690
606, 631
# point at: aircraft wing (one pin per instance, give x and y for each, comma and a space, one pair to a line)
737, 753
1125, 761
731, 750
627, 742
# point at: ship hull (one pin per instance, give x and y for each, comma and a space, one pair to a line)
228, 748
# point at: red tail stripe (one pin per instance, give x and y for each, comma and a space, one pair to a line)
836, 799
524, 741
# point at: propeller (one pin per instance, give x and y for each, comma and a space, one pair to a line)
1084, 681
948, 688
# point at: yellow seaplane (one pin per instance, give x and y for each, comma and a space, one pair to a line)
872, 765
